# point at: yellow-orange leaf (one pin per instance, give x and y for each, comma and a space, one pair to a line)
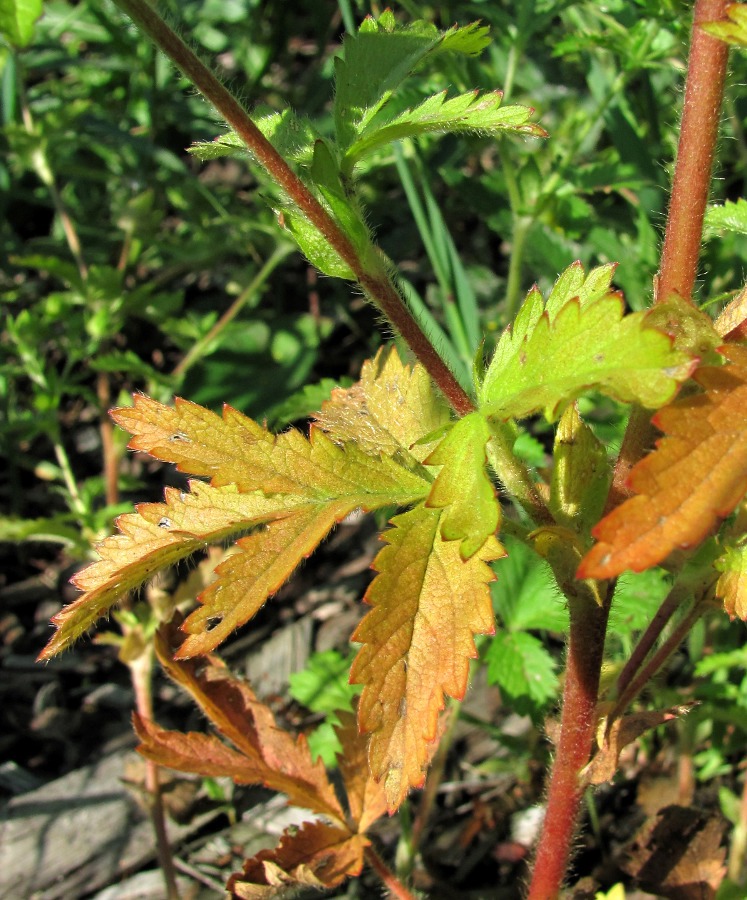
731, 586
236, 450
391, 408
697, 474
319, 855
264, 752
152, 538
246, 579
366, 797
428, 603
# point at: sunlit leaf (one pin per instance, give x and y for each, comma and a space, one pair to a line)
428, 603
463, 488
579, 340
731, 586
17, 18
733, 28
696, 475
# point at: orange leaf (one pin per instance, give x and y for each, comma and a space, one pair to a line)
418, 640
281, 761
732, 583
366, 798
696, 475
318, 855
266, 559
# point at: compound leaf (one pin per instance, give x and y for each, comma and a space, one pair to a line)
523, 669
264, 754
155, 536
696, 475
379, 58
471, 112
428, 603
462, 487
729, 216
580, 340
392, 409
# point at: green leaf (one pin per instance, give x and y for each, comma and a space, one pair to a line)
17, 18
637, 598
315, 247
379, 58
323, 686
463, 485
291, 136
466, 113
728, 216
523, 669
579, 340
304, 402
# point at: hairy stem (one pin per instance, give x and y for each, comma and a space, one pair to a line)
577, 729
704, 89
394, 885
371, 273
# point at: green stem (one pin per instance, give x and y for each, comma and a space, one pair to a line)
514, 474
371, 273
522, 226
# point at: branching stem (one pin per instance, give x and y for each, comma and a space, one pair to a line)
371, 273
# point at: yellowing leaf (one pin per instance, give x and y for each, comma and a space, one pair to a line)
389, 410
579, 340
697, 474
319, 855
463, 488
245, 580
156, 536
366, 797
265, 754
236, 450
731, 586
428, 603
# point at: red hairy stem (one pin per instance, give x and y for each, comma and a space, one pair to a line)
577, 729
370, 274
704, 89
393, 884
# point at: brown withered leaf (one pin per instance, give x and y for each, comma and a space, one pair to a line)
678, 854
696, 475
366, 797
623, 731
266, 753
318, 855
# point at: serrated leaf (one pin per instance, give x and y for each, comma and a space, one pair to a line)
17, 18
269, 755
323, 685
696, 475
523, 669
315, 246
318, 855
305, 401
579, 341
391, 410
471, 112
733, 30
462, 487
729, 216
154, 537
291, 136
731, 586
428, 603
236, 450
379, 58
257, 477
574, 282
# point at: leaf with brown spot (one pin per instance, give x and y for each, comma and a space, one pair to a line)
696, 475
428, 604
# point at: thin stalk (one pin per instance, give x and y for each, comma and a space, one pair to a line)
197, 350
390, 880
371, 274
63, 461
106, 430
521, 230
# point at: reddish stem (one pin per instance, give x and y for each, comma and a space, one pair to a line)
577, 730
394, 885
704, 91
370, 273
